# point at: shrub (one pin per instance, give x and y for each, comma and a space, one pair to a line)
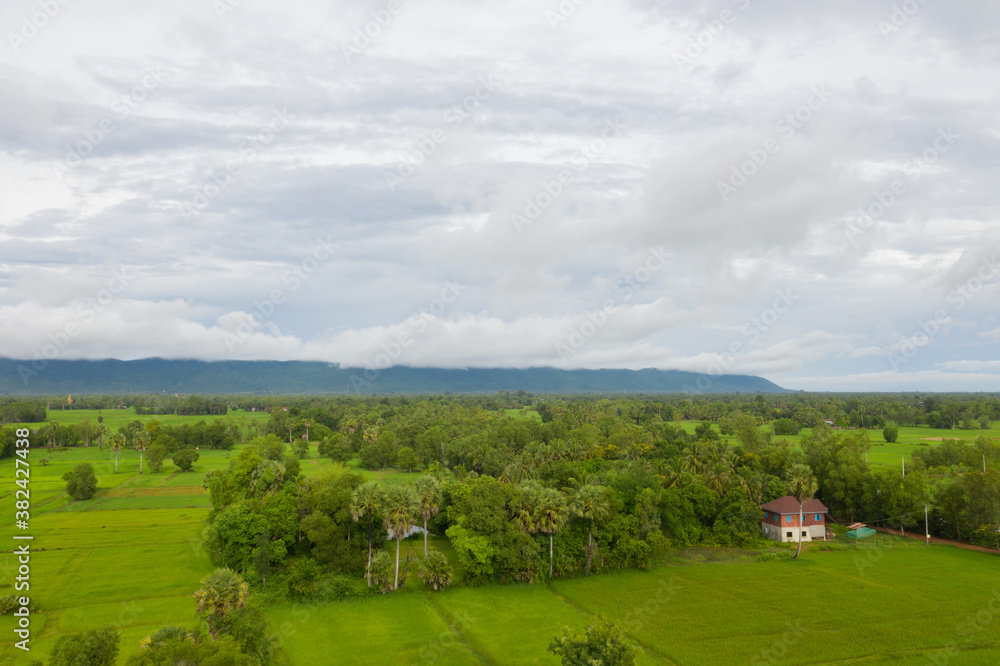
382, 572
302, 578
890, 433
155, 457
81, 482
786, 427
93, 648
436, 573
185, 459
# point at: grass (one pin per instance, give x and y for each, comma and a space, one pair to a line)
131, 557
115, 418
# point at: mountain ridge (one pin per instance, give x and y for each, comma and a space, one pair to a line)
156, 375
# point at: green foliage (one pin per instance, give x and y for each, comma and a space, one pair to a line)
155, 456
786, 426
97, 647
406, 458
81, 482
185, 459
436, 573
173, 646
604, 644
302, 578
301, 448
382, 572
222, 592
269, 447
337, 447
890, 433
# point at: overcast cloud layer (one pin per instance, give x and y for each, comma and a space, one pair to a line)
580, 185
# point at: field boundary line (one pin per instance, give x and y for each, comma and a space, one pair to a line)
649, 649
456, 629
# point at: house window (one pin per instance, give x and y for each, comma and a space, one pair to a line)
788, 534
765, 514
789, 518
818, 518
803, 534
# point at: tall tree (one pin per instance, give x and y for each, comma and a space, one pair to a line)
140, 442
400, 507
116, 442
591, 503
802, 486
429, 496
551, 516
366, 499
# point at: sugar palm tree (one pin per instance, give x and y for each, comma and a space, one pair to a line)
400, 507
591, 503
222, 592
140, 443
429, 496
802, 486
366, 499
551, 514
116, 443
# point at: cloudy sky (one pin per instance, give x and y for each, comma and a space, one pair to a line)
802, 191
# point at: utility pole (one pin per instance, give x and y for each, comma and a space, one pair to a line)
927, 530
984, 463
904, 466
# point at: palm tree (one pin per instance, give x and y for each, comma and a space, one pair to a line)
400, 507
802, 486
222, 592
429, 496
366, 498
100, 432
591, 503
116, 443
140, 443
551, 515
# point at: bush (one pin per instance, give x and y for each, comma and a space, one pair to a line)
337, 447
302, 578
786, 427
155, 457
436, 573
185, 459
301, 448
90, 648
81, 482
890, 434
382, 572
337, 588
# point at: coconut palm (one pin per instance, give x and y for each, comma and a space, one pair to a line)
222, 592
400, 508
551, 514
591, 503
429, 496
366, 499
116, 443
802, 486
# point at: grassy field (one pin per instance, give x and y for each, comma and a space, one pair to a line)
131, 557
115, 418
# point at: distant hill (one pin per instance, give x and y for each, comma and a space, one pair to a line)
283, 377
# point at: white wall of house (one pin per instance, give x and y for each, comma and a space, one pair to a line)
811, 532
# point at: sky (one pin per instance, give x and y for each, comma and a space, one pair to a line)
801, 191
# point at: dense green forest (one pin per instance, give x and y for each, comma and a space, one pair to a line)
527, 488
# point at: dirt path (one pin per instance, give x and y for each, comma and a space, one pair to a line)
947, 542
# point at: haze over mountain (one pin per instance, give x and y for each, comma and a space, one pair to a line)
232, 377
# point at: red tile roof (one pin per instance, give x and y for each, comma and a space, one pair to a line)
788, 504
